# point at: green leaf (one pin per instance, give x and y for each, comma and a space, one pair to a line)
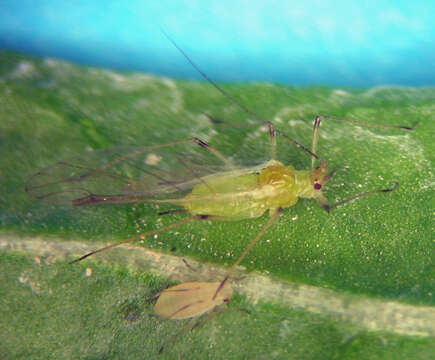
379, 246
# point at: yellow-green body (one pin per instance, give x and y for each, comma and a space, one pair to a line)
249, 193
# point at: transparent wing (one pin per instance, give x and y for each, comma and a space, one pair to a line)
128, 174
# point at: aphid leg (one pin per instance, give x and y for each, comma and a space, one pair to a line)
213, 151
324, 202
266, 226
193, 324
174, 337
316, 126
143, 235
203, 145
272, 134
272, 137
190, 267
323, 163
227, 123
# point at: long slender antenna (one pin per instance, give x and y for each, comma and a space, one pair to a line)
217, 87
235, 101
321, 117
250, 112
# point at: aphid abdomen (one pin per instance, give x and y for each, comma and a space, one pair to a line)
244, 196
232, 197
191, 299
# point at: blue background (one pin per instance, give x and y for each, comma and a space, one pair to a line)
338, 42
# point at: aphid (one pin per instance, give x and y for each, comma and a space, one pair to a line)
189, 300
193, 176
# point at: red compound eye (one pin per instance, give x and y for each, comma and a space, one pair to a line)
317, 186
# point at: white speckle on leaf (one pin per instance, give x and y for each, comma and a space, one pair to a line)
339, 92
26, 280
23, 69
296, 122
88, 272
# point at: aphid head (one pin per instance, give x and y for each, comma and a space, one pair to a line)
319, 177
